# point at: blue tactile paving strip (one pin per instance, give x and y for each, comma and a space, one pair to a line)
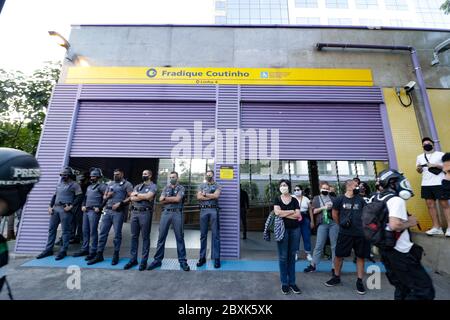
172, 264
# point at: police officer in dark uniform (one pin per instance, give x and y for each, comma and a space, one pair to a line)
142, 201
208, 195
92, 209
67, 197
19, 171
172, 199
117, 196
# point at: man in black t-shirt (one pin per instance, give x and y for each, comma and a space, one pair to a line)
347, 212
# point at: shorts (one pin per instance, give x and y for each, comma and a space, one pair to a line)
434, 193
345, 244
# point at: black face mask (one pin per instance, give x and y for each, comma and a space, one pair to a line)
356, 191
145, 178
325, 193
428, 147
64, 178
94, 181
117, 178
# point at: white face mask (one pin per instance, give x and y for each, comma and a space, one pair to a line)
284, 190
298, 193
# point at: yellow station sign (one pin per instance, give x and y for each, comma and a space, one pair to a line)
246, 76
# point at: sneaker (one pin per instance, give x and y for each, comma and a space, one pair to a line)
435, 232
309, 268
447, 233
295, 289
334, 281
309, 257
360, 287
285, 289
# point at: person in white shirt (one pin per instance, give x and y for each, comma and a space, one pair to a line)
429, 164
400, 256
306, 225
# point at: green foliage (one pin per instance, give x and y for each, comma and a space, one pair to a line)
271, 191
446, 7
251, 188
23, 105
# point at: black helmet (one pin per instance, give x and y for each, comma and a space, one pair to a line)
96, 172
67, 171
19, 171
396, 181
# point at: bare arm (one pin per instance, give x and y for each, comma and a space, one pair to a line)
283, 213
295, 216
398, 225
214, 195
335, 215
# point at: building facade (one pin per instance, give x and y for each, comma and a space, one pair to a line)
254, 104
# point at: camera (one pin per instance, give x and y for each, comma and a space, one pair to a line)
410, 86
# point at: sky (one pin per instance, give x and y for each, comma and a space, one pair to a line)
24, 24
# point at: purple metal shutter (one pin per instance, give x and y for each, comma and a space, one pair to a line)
228, 118
135, 129
322, 123
51, 154
321, 131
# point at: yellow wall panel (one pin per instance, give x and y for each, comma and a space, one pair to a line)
407, 143
440, 107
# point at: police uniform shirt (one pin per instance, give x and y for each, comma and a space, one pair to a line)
94, 195
120, 189
173, 192
142, 189
66, 192
209, 188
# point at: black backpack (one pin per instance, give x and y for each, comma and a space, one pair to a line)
375, 217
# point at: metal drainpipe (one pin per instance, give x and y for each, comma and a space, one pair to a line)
417, 70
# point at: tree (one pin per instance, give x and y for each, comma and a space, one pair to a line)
446, 7
23, 105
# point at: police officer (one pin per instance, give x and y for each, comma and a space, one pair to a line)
92, 209
68, 196
117, 196
142, 200
19, 171
208, 195
172, 199
400, 256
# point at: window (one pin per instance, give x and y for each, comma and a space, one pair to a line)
306, 4
396, 5
220, 5
308, 20
339, 21
370, 22
366, 4
221, 20
336, 4
401, 23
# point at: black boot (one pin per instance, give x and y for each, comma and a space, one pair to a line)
61, 255
115, 259
90, 256
130, 264
44, 254
98, 258
201, 262
81, 253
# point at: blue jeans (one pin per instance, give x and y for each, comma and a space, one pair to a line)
305, 233
286, 255
323, 232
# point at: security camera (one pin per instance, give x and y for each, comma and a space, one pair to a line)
410, 86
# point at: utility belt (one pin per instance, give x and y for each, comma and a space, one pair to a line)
93, 208
62, 204
140, 209
172, 209
213, 206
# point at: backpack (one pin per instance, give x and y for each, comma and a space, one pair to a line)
375, 217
